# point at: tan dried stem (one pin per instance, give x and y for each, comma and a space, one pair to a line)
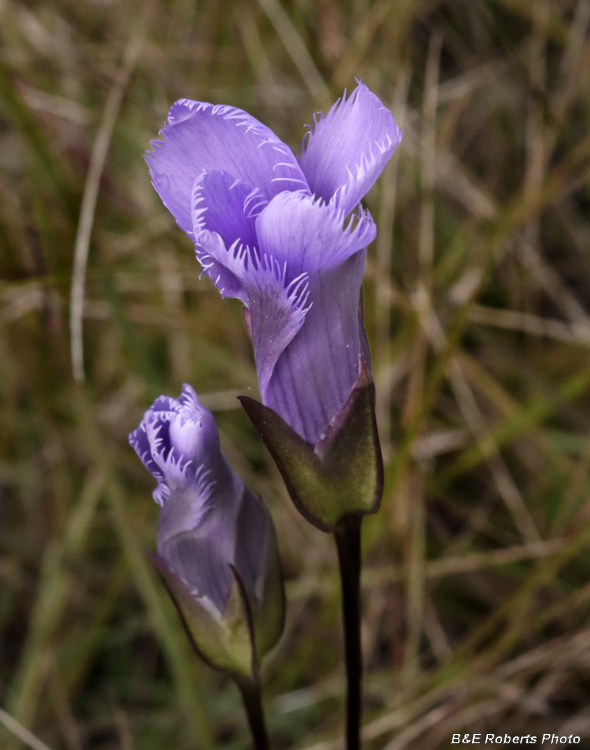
90, 195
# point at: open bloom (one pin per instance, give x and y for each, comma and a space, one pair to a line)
284, 234
210, 522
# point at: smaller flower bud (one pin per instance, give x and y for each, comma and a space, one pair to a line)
217, 553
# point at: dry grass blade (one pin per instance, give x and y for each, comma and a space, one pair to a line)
55, 585
476, 423
90, 194
531, 324
457, 564
297, 50
418, 727
348, 65
19, 731
428, 156
383, 259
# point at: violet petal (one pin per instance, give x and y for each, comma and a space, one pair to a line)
346, 150
224, 206
200, 137
304, 234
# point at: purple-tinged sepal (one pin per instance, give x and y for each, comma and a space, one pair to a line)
342, 474
267, 612
217, 552
225, 642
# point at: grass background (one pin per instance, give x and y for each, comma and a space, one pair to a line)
476, 583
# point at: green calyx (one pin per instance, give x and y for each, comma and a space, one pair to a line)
268, 611
226, 642
343, 473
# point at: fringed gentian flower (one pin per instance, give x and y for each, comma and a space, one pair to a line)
216, 543
284, 234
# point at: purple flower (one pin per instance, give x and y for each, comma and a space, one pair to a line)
209, 520
284, 234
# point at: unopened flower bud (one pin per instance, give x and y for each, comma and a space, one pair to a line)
216, 548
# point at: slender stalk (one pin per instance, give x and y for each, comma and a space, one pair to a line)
348, 542
252, 698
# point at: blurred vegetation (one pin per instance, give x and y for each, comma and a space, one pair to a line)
477, 302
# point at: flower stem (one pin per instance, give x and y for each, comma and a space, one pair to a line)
347, 534
252, 698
